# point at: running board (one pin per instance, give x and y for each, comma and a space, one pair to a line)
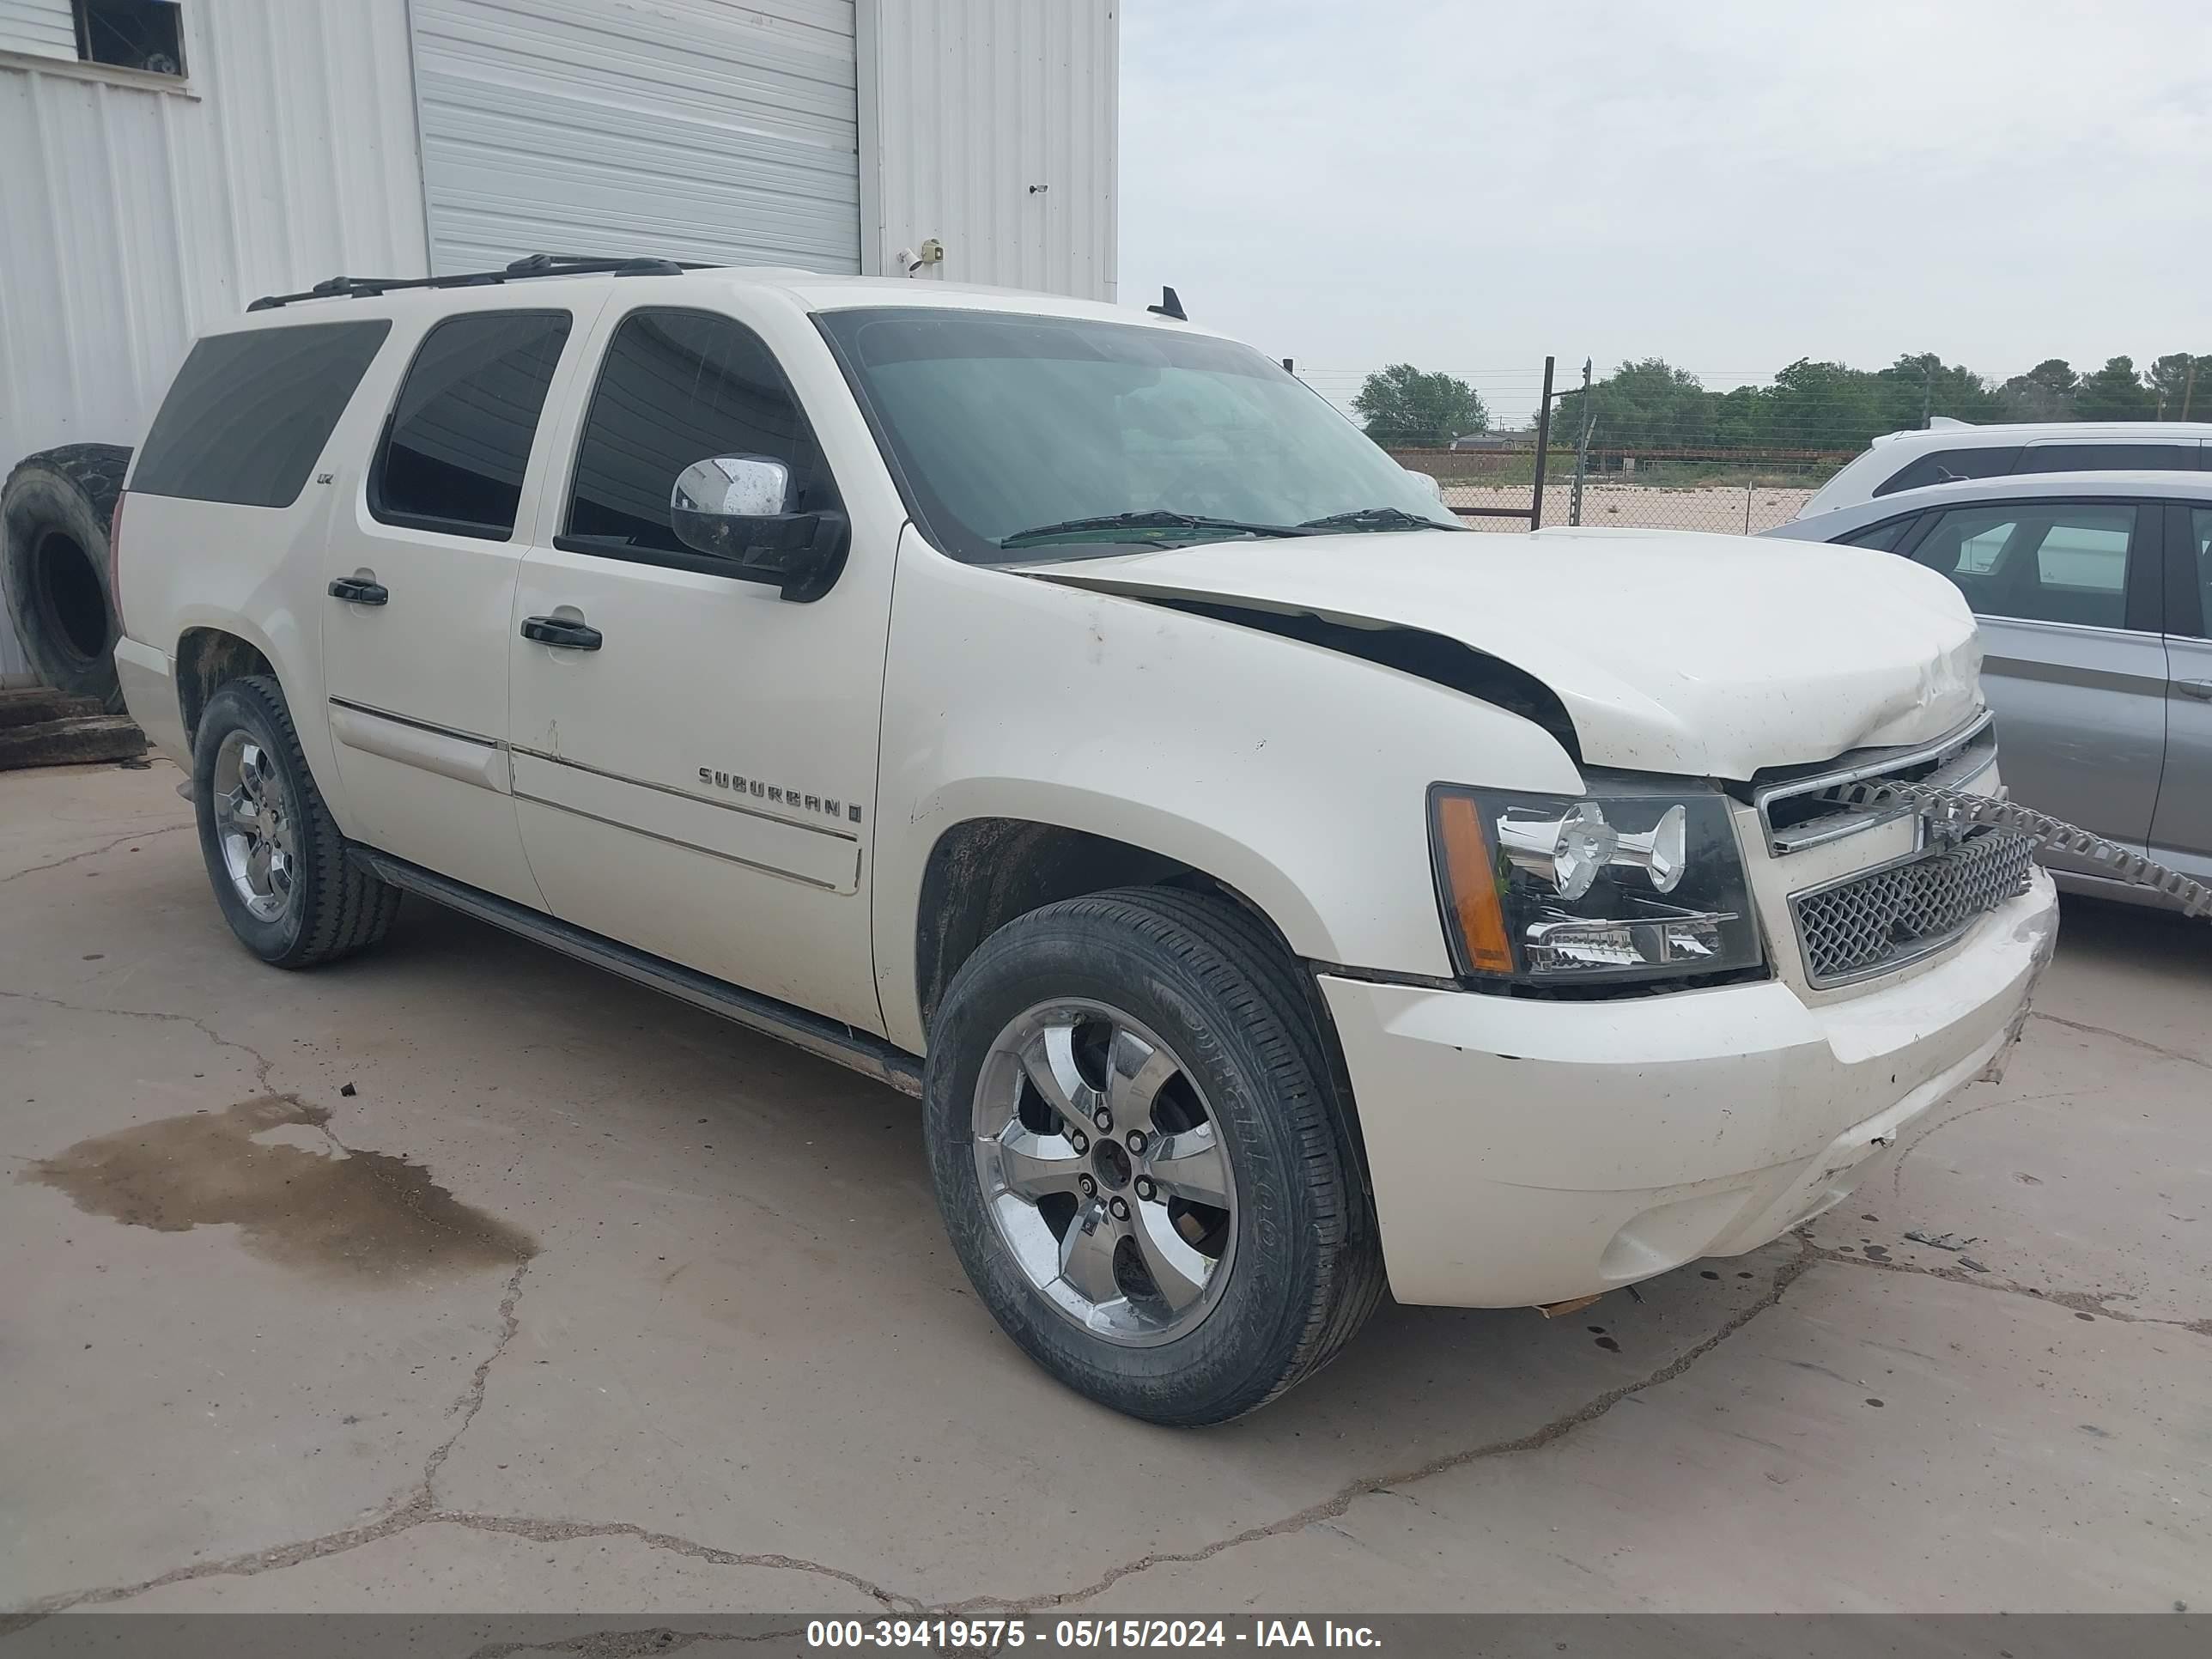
831, 1039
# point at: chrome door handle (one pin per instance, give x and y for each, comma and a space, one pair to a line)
2201, 689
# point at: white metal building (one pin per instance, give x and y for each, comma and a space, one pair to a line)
162, 162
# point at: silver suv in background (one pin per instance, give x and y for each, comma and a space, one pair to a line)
2094, 591
1948, 451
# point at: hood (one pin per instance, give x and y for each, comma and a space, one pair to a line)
1711, 656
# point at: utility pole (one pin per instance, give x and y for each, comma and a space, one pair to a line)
1927, 394
2188, 388
1543, 445
1582, 448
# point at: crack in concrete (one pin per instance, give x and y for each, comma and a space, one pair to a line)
415, 1512
419, 1509
262, 1064
561, 1531
1331, 1508
2146, 1046
472, 1397
625, 1642
1897, 1169
94, 852
2077, 1301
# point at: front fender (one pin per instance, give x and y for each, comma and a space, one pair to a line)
1295, 775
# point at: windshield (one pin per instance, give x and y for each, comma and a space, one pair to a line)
1009, 431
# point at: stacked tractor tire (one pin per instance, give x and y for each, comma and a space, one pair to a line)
56, 511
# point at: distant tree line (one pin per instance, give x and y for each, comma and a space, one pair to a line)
1810, 405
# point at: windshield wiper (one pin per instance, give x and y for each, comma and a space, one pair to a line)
1375, 518
1156, 520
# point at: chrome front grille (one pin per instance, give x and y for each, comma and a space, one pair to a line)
1876, 919
1808, 808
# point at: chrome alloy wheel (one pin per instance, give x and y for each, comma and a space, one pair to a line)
255, 826
1101, 1167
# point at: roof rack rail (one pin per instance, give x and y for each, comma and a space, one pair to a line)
535, 265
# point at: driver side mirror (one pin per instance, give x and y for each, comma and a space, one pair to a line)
738, 507
1428, 481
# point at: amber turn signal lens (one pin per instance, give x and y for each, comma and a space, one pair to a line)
1472, 885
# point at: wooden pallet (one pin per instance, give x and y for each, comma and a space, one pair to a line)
40, 727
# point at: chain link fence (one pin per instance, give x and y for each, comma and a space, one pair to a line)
1629, 468
1738, 492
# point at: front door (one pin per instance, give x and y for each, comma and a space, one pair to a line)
422, 576
2069, 597
695, 757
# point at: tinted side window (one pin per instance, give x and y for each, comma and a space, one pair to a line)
248, 413
2108, 458
680, 386
1884, 537
2200, 542
1984, 461
458, 440
2059, 562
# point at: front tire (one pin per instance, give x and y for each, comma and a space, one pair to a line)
274, 854
1139, 1159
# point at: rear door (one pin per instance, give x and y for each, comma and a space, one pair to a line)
2069, 594
421, 576
2181, 831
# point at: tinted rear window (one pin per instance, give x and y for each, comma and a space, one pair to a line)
2109, 458
1983, 461
458, 440
248, 413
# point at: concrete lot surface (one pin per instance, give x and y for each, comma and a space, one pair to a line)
462, 1277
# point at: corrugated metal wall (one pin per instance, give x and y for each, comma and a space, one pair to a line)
47, 28
132, 216
135, 217
991, 126
696, 128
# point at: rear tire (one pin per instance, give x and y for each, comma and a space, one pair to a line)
56, 511
1185, 996
274, 854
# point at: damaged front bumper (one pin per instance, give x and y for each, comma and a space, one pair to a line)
1527, 1151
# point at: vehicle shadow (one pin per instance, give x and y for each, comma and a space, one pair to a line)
795, 1138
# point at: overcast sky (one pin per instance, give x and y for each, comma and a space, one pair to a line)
1728, 184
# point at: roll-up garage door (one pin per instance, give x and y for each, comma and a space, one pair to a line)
692, 129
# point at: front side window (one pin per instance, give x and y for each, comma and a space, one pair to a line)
677, 388
458, 440
2199, 541
1009, 431
249, 412
1980, 461
2059, 562
1882, 536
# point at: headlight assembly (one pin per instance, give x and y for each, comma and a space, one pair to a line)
1638, 880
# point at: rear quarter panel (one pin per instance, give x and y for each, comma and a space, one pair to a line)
257, 572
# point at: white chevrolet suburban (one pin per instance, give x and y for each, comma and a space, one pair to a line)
1065, 716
